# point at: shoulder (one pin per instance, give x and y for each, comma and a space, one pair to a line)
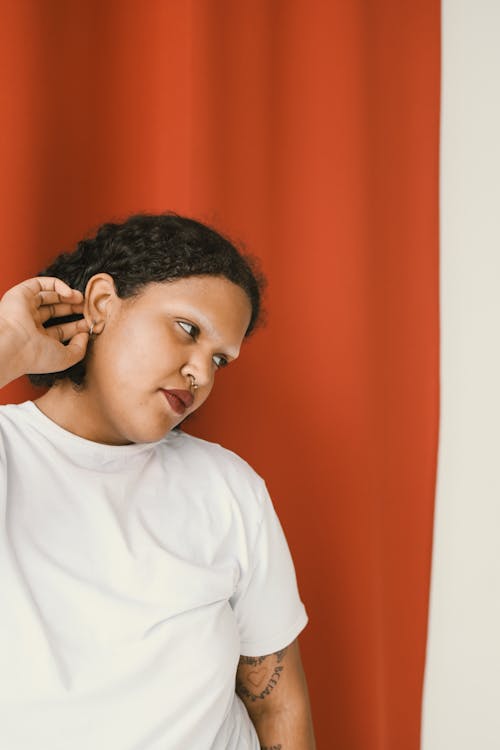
10, 413
196, 452
14, 419
202, 460
10, 417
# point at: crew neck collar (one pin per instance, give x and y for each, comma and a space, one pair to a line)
99, 453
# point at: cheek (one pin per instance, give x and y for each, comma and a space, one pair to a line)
204, 395
130, 354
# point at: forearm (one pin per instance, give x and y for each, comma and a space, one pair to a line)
288, 729
9, 369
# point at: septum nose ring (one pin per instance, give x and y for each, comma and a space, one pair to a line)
194, 385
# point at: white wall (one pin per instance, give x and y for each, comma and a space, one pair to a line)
461, 709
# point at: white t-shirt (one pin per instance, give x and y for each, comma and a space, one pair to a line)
131, 580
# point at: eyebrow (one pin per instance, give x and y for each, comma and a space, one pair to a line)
207, 325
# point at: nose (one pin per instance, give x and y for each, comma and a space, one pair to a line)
199, 368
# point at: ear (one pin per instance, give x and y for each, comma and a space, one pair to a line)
100, 300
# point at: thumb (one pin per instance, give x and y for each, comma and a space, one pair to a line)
75, 350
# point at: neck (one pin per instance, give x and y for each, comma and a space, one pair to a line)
76, 411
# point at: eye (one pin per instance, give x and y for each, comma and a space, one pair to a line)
220, 361
189, 328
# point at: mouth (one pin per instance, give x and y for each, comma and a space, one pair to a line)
178, 400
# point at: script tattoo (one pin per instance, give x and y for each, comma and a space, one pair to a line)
249, 687
270, 747
280, 655
254, 661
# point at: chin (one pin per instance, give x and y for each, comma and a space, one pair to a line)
145, 422
142, 432
152, 435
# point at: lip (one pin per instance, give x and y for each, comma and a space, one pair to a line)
179, 400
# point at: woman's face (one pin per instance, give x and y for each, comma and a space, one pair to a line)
154, 343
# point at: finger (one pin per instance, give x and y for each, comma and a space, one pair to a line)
75, 350
52, 298
62, 357
65, 331
66, 292
47, 298
52, 284
57, 311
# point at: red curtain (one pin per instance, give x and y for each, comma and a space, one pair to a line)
308, 130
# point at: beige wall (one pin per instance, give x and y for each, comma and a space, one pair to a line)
462, 686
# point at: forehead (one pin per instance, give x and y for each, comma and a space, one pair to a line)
221, 307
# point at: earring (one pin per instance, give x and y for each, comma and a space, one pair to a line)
91, 329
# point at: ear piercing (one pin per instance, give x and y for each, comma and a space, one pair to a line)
91, 329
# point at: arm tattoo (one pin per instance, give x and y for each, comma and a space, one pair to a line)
249, 689
254, 661
280, 655
244, 692
273, 747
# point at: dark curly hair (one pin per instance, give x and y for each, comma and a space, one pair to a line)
151, 248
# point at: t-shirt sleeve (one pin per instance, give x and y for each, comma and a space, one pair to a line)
267, 605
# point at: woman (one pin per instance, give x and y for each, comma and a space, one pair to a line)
148, 596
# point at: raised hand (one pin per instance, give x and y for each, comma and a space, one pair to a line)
25, 345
